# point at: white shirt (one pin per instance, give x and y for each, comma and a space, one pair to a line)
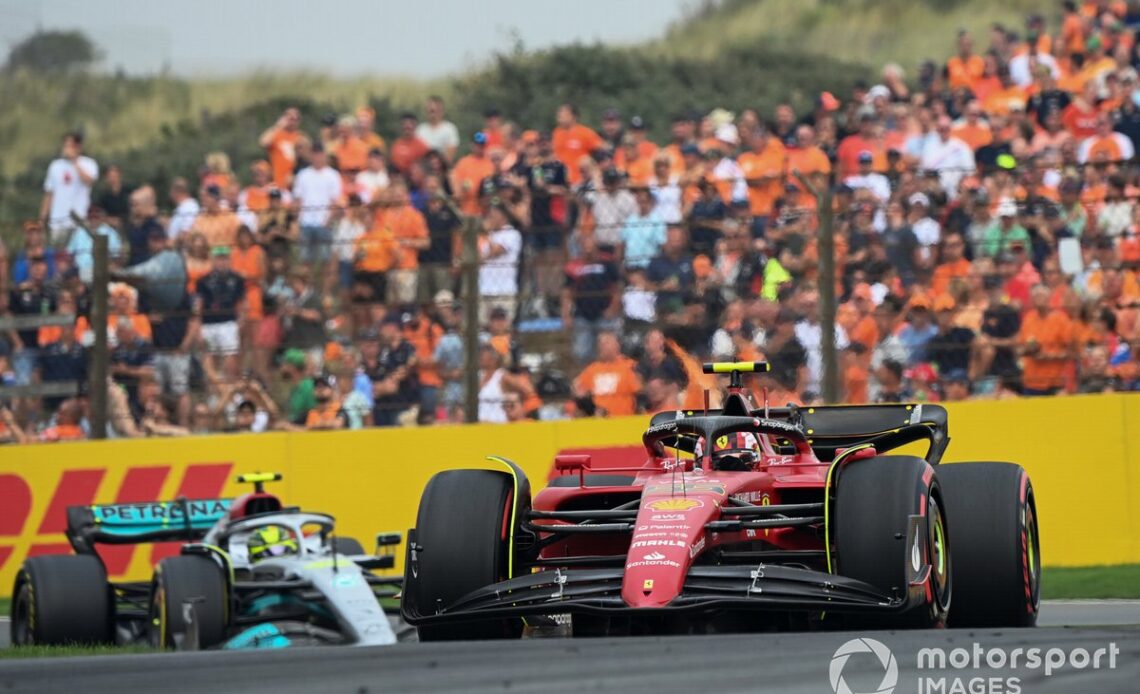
1019, 71
728, 170
927, 231
639, 304
491, 399
668, 197
316, 190
877, 183
438, 137
68, 191
810, 336
183, 218
344, 238
498, 276
951, 158
370, 182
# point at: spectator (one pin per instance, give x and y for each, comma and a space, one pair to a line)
671, 274
350, 151
410, 232
424, 335
186, 210
30, 297
327, 414
67, 188
666, 189
220, 299
590, 299
407, 149
366, 129
810, 335
61, 357
356, 406
216, 221
437, 133
954, 265
763, 170
113, 196
373, 180
1003, 234
499, 252
67, 424
951, 157
317, 189
1044, 343
706, 214
352, 222
303, 318
34, 247
294, 374
393, 375
283, 141
611, 382
643, 233
142, 221
131, 361
438, 261
469, 172
951, 348
571, 141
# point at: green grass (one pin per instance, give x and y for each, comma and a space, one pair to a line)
69, 651
1091, 582
5, 606
873, 32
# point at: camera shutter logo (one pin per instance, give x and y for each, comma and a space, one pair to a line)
856, 646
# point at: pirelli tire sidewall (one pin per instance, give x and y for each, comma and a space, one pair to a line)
188, 579
62, 599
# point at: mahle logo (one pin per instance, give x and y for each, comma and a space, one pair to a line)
855, 647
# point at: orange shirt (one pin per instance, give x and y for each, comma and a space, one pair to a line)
569, 146
1053, 333
1105, 149
1080, 122
808, 161
424, 339
350, 153
140, 323
407, 151
256, 198
974, 135
848, 154
645, 150
613, 385
963, 72
940, 282
195, 270
865, 332
250, 263
466, 176
999, 101
1073, 34
376, 249
283, 157
855, 382
405, 222
323, 414
63, 432
639, 172
768, 165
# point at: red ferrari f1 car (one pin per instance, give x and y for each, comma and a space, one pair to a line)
742, 518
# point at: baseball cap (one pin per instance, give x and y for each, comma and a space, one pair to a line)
444, 297
611, 175
370, 335
294, 357
956, 376
690, 148
324, 380
611, 114
920, 301
529, 136
828, 102
1007, 208
498, 313
213, 191
865, 157
407, 317
728, 133
220, 251
637, 123
944, 302
919, 199
479, 138
879, 91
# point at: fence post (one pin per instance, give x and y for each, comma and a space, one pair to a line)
469, 267
825, 242
100, 354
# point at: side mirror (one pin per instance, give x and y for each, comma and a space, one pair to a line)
571, 461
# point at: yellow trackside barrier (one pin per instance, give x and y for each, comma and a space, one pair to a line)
1082, 453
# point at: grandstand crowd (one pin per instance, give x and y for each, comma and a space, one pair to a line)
985, 221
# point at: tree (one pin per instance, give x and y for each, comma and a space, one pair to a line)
53, 52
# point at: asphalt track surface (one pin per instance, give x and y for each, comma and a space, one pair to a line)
788, 662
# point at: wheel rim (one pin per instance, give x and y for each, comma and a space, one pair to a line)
156, 629
939, 552
21, 618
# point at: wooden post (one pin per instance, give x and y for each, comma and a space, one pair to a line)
825, 241
100, 354
469, 268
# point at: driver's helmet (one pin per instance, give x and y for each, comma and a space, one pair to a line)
272, 541
737, 450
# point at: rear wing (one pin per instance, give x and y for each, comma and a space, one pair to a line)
830, 428
186, 520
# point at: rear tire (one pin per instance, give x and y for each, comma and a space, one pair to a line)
61, 600
462, 537
873, 504
997, 569
182, 578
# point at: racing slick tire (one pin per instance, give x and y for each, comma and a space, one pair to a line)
349, 546
62, 599
873, 503
462, 544
997, 556
193, 578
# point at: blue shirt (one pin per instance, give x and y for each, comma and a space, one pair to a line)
642, 238
915, 340
82, 247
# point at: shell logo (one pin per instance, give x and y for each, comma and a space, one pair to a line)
675, 504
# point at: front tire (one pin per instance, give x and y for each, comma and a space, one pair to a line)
185, 578
462, 538
61, 600
997, 572
874, 501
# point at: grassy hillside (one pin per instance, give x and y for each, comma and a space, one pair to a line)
868, 31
